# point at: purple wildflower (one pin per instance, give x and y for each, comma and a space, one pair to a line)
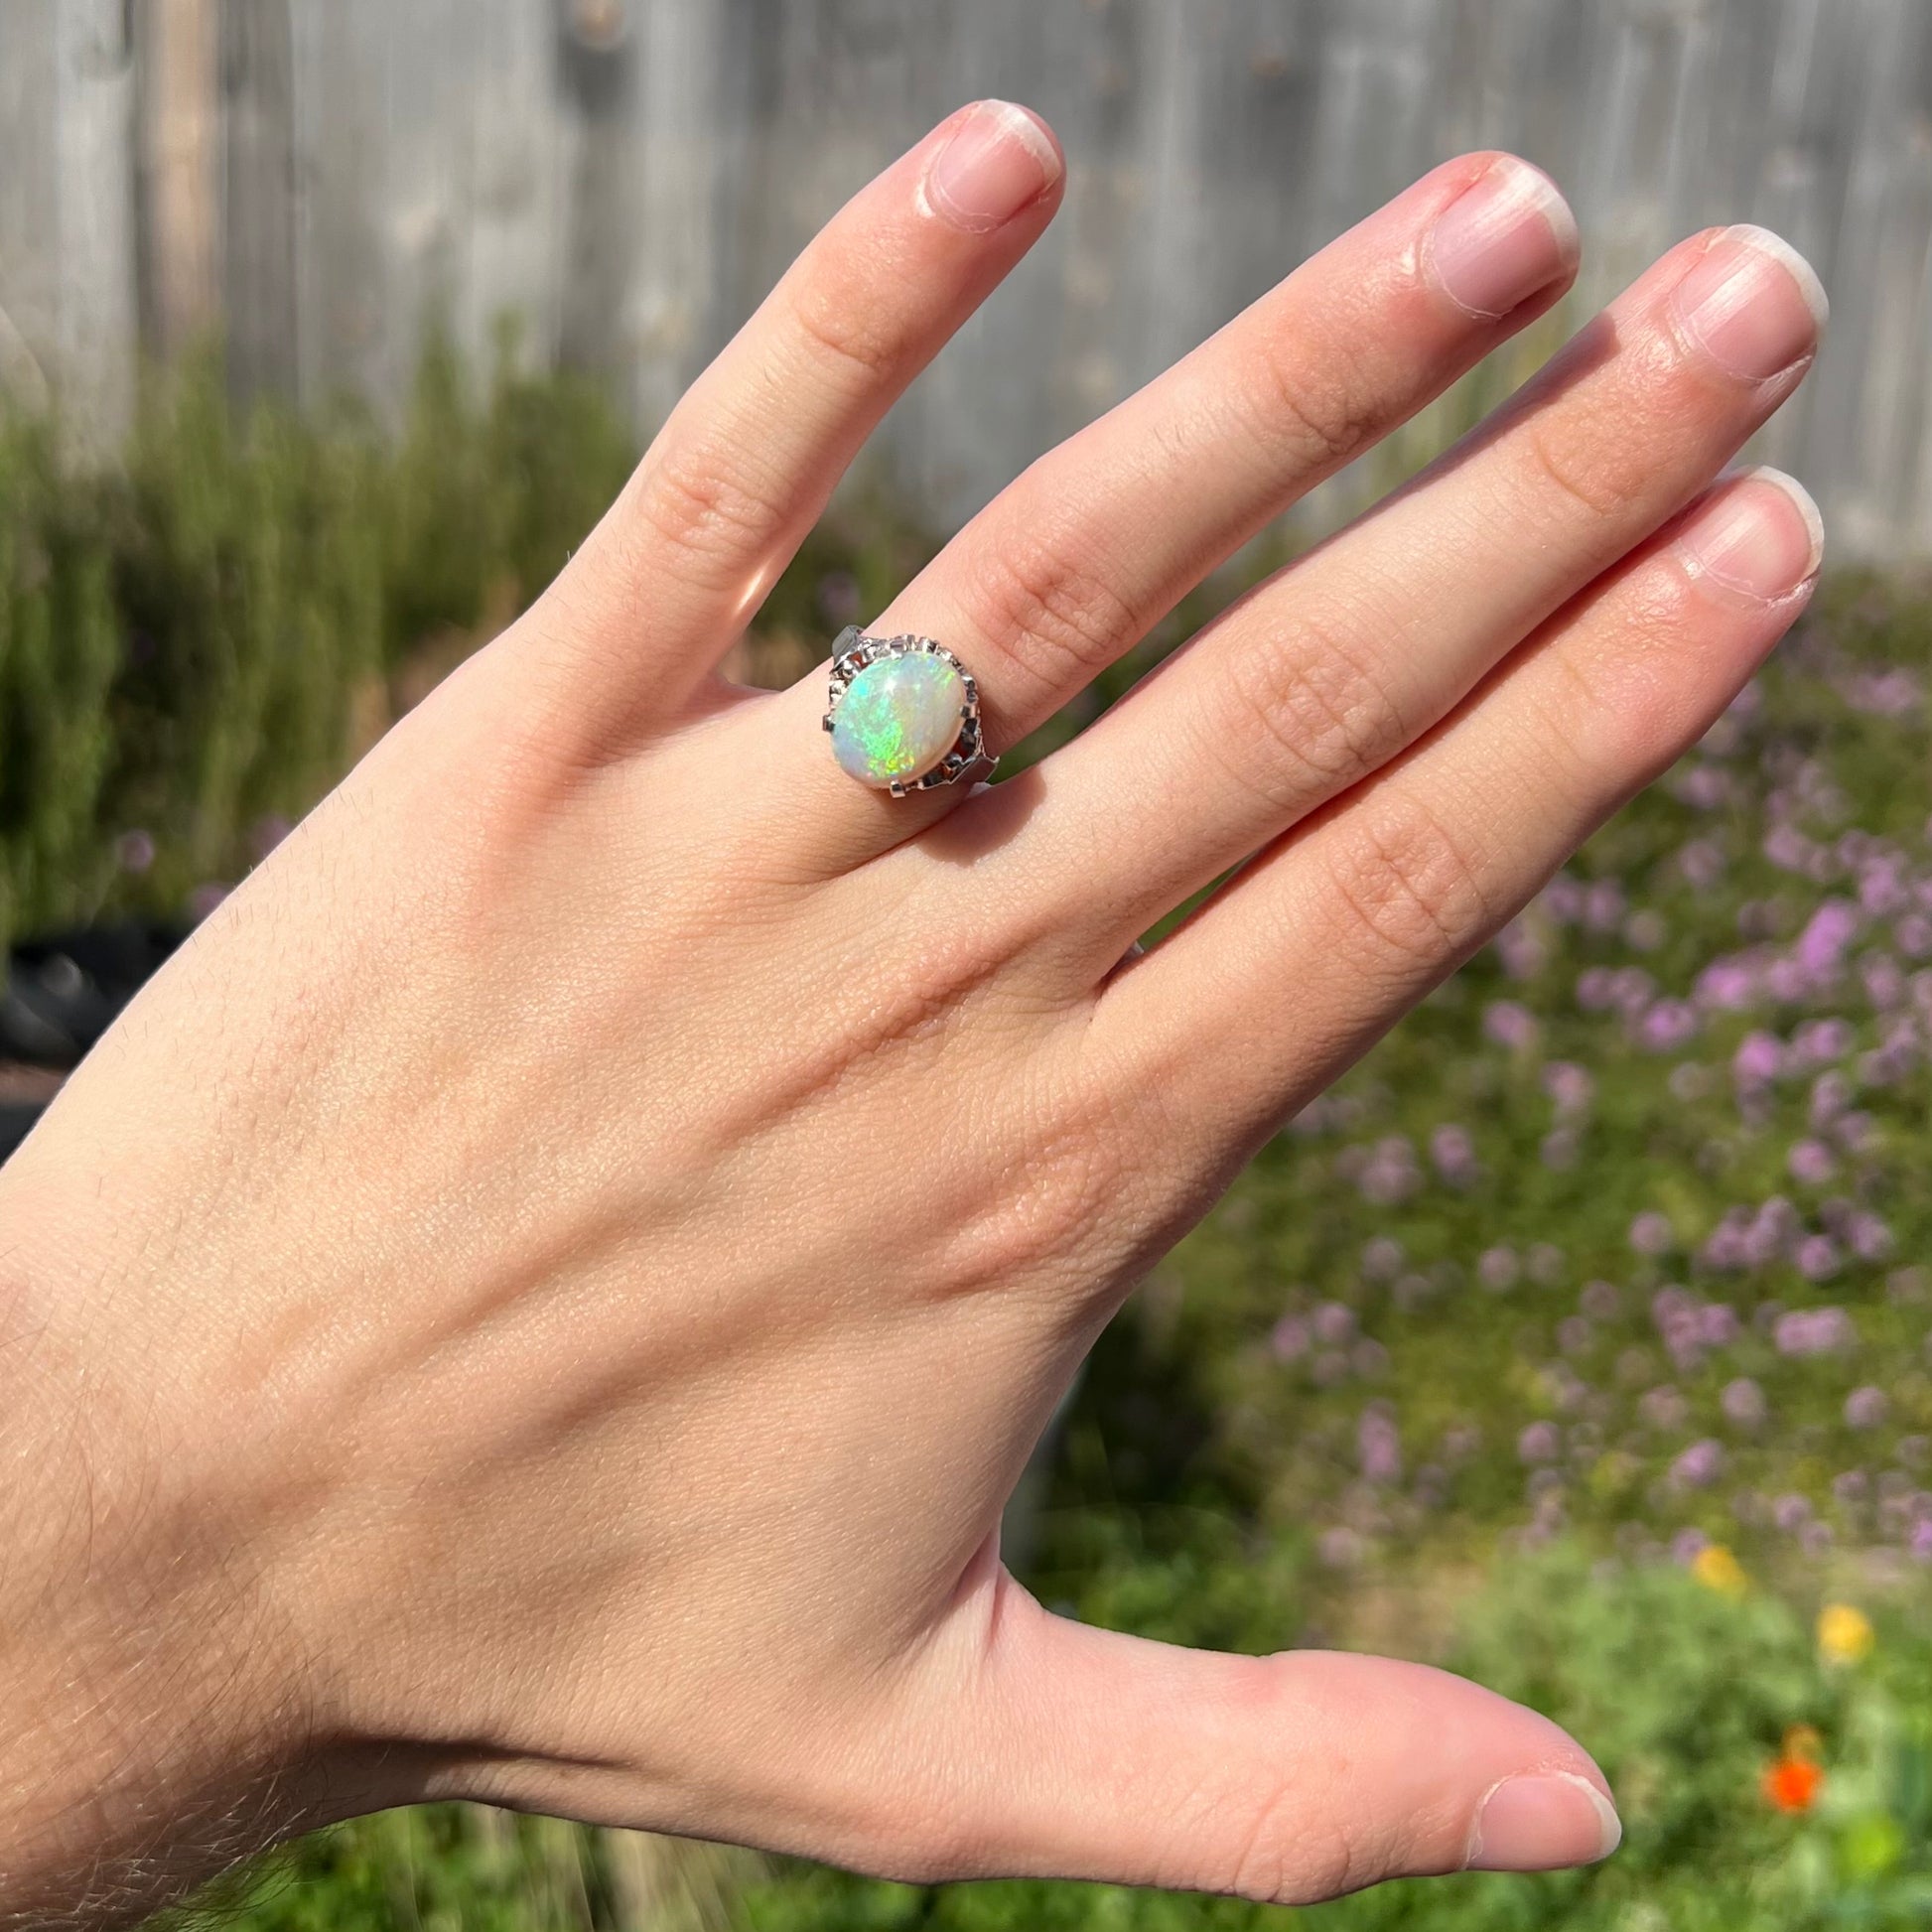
1743, 1403
1650, 1233
1698, 1466
1510, 1023
1866, 1408
1811, 1162
1813, 1331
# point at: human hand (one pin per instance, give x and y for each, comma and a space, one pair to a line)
544, 1298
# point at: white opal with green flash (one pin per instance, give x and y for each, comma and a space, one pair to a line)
899, 718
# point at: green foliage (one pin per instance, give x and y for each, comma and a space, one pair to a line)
194, 644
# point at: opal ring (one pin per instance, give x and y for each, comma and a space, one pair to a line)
904, 714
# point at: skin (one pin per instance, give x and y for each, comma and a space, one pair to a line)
544, 1298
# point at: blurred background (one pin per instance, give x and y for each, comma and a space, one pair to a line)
1579, 1340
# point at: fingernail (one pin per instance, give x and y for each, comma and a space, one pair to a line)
1755, 303
1542, 1824
1501, 240
999, 161
1762, 535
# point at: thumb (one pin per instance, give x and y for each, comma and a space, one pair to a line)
1289, 1778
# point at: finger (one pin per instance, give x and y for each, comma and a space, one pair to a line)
745, 464
1376, 899
1289, 1778
1077, 559
1316, 679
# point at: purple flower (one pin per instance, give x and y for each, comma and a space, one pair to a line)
1599, 1300
1687, 1546
1539, 1442
1699, 1466
1920, 1543
1604, 905
1813, 1331
1787, 848
1562, 900
1667, 1026
1791, 1513
1335, 1323
1821, 1041
1596, 989
1811, 1162
1575, 1335
1378, 1446
1868, 1236
202, 900
1498, 1269
1571, 1086
1717, 1324
1817, 1257
1821, 947
1510, 1023
1289, 1340
1701, 860
1758, 1060
1703, 788
1866, 1408
1650, 1234
1454, 1151
1382, 1258
1391, 1174
1831, 1095
1743, 1403
1521, 949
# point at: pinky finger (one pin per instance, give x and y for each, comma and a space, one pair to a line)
1290, 973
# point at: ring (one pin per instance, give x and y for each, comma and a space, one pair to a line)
904, 714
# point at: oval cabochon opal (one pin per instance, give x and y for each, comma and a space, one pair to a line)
898, 719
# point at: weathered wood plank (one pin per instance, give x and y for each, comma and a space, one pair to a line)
626, 178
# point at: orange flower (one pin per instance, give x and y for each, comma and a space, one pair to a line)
1792, 1783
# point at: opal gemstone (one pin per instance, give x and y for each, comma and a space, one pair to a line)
898, 719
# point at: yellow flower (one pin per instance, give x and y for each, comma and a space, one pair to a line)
1717, 1569
1844, 1634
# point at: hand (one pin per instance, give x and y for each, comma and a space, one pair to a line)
544, 1298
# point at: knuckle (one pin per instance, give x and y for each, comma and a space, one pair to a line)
1409, 897
1049, 615
702, 505
1605, 476
1329, 403
1068, 1181
850, 339
1311, 714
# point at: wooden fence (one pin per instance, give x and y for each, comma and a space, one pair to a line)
623, 178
